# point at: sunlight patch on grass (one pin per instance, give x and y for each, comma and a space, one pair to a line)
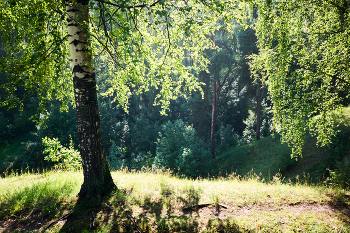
290, 221
43, 193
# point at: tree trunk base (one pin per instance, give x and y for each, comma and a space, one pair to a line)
91, 193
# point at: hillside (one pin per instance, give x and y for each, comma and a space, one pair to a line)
155, 201
269, 157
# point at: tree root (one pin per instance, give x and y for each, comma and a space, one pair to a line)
64, 217
129, 215
200, 206
92, 221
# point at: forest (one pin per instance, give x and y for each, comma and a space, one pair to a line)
252, 92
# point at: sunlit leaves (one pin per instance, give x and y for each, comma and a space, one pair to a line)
304, 57
140, 43
148, 46
33, 36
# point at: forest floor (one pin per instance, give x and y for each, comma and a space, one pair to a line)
160, 202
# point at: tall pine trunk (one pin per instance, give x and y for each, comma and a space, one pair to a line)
258, 110
98, 181
213, 114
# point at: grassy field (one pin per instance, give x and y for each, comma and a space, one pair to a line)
161, 202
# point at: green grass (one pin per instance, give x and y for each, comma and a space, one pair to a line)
156, 199
267, 202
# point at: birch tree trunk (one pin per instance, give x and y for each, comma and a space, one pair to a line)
98, 181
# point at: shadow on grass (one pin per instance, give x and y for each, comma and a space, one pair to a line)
34, 208
156, 213
340, 202
40, 208
125, 211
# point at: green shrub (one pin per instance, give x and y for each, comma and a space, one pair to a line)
143, 134
133, 143
66, 158
58, 123
225, 139
31, 156
4, 122
142, 160
248, 134
116, 157
340, 177
181, 150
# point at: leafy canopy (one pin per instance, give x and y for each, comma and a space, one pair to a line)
304, 58
33, 43
139, 44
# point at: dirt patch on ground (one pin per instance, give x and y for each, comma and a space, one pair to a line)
281, 214
222, 213
31, 224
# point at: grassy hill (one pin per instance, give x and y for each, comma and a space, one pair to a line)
269, 157
156, 201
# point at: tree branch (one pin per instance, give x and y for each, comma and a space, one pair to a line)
167, 28
200, 206
44, 58
107, 50
329, 75
64, 217
128, 7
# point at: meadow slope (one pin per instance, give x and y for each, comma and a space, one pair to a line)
161, 202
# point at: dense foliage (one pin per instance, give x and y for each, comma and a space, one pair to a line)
304, 59
180, 149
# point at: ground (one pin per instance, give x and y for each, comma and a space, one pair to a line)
281, 215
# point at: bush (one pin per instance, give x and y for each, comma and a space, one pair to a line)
4, 122
32, 155
116, 157
180, 149
248, 134
340, 177
225, 139
59, 124
143, 134
66, 158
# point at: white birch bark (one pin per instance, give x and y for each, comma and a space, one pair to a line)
97, 178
